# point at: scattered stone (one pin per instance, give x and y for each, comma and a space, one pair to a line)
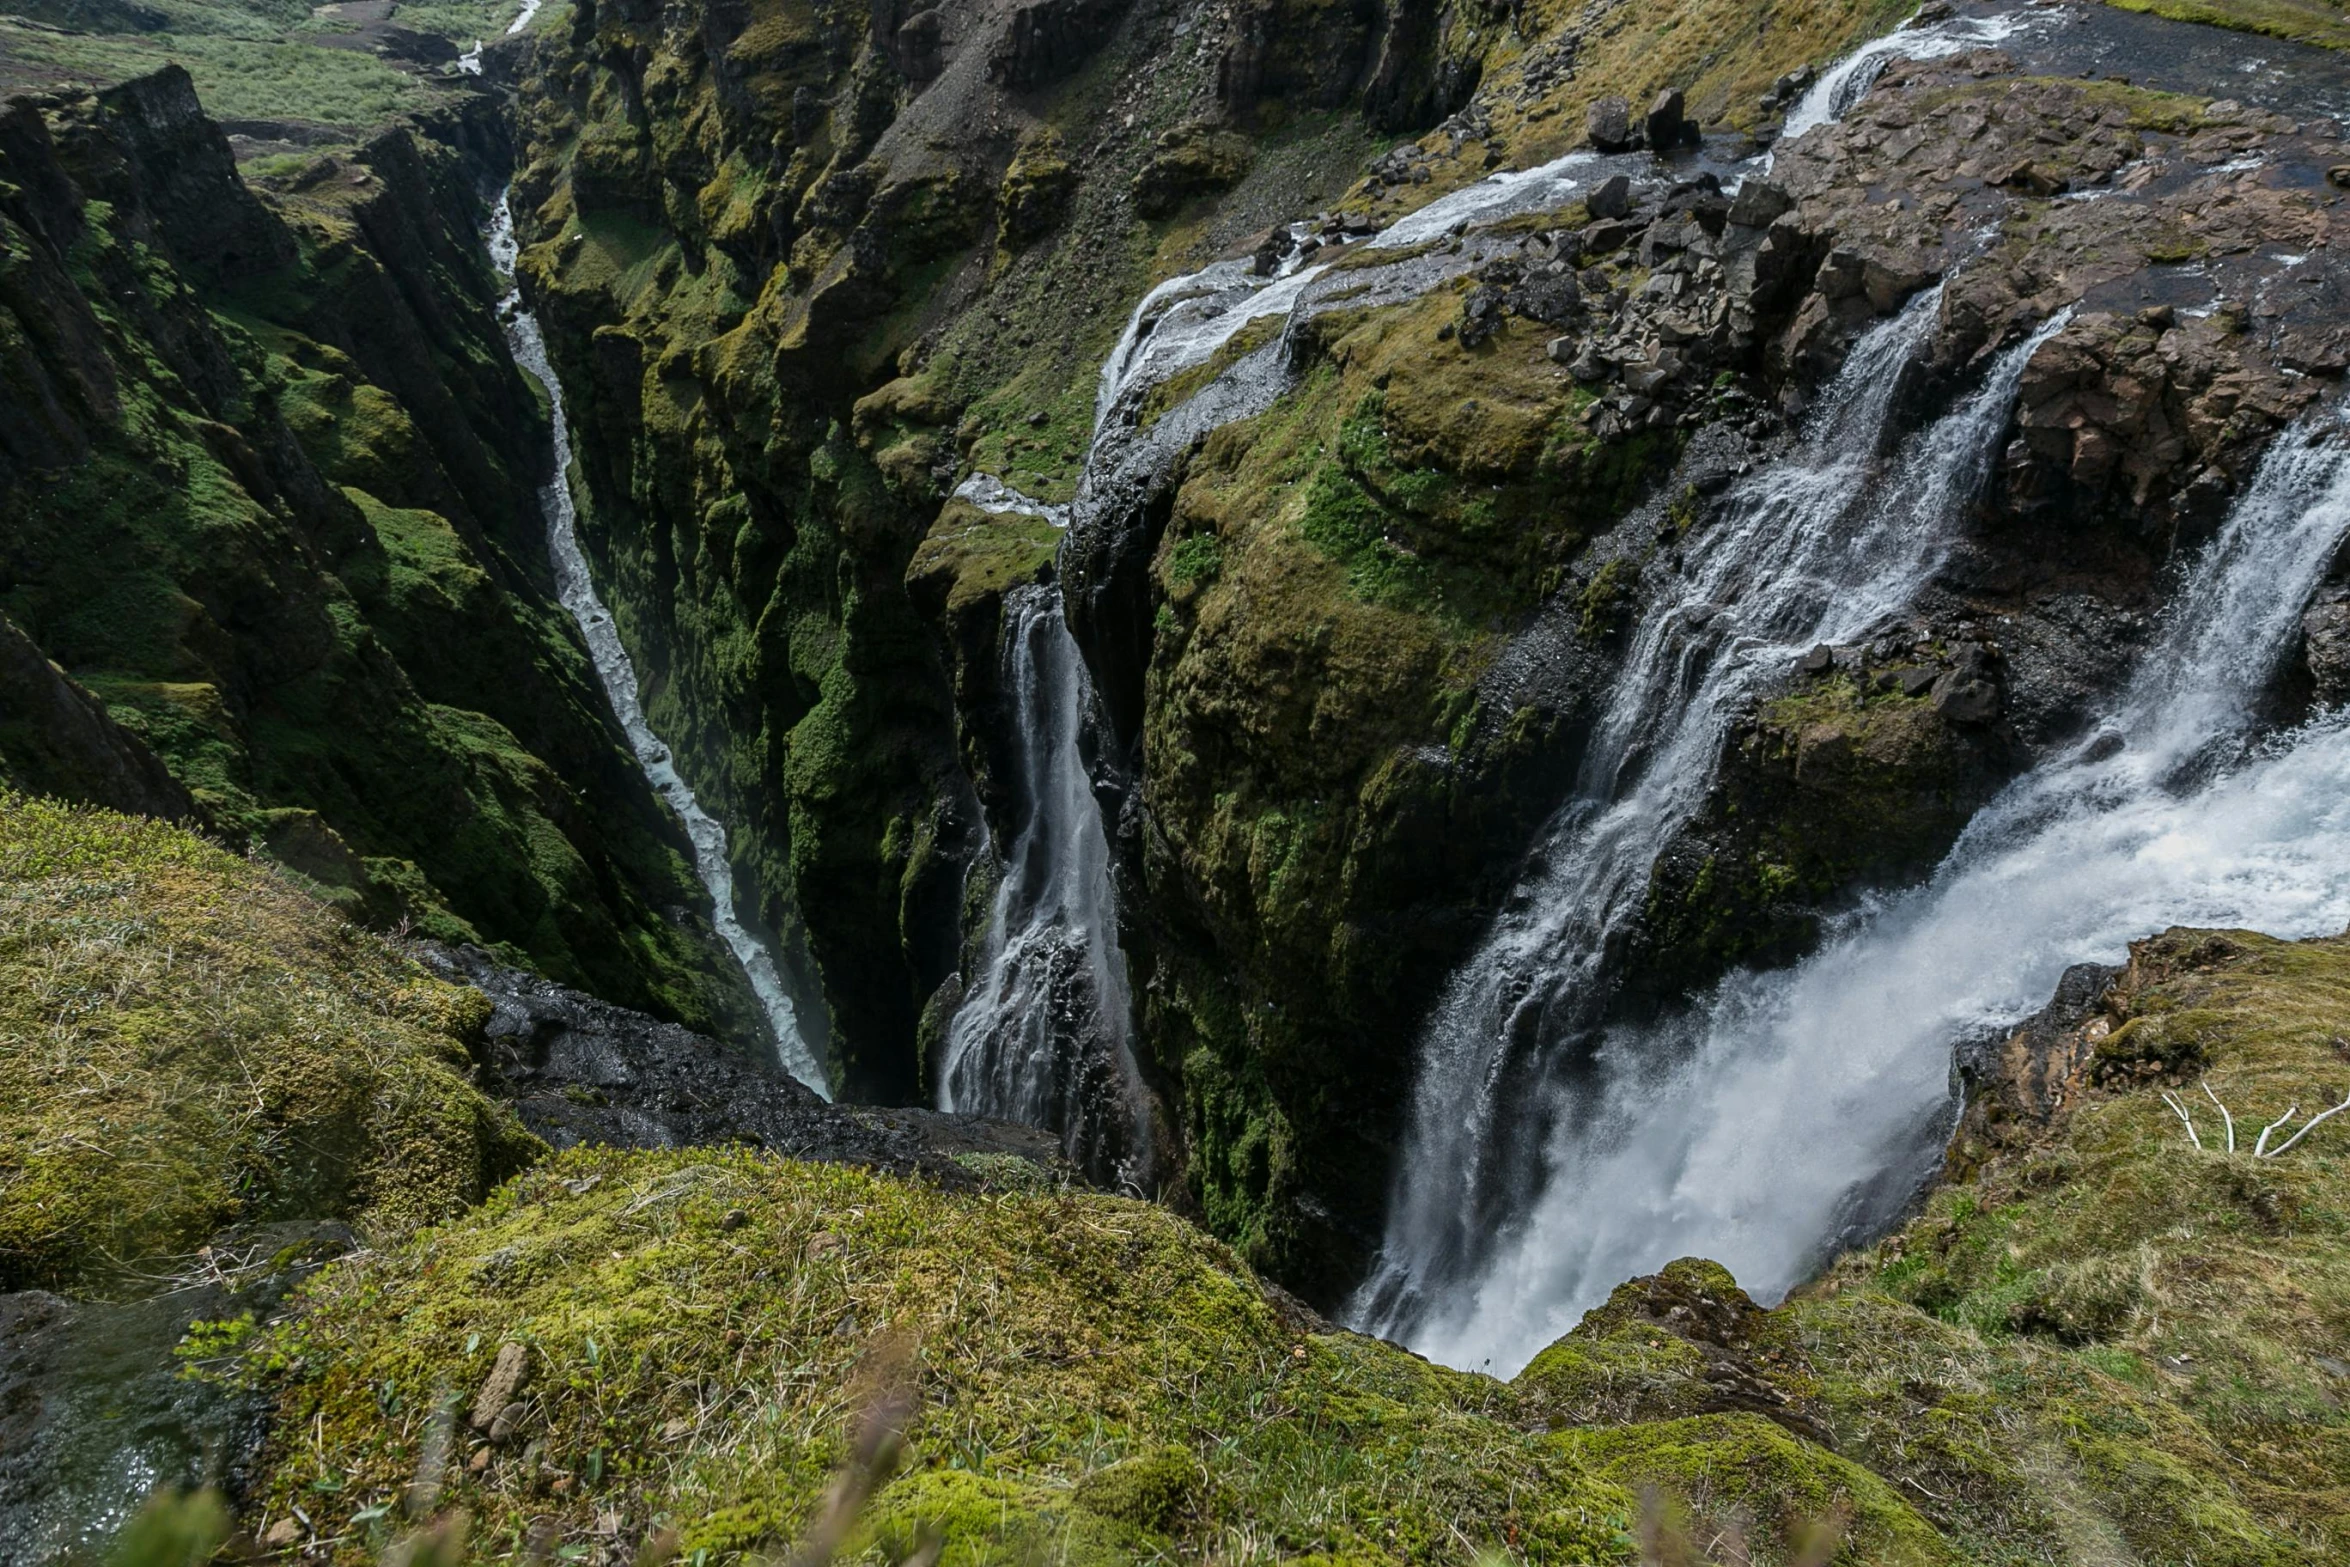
1759, 204
1967, 701
1819, 660
507, 1422
1612, 198
1605, 236
505, 1380
282, 1535
1914, 682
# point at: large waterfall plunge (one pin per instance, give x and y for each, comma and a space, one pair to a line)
1819, 547
578, 593
1791, 1110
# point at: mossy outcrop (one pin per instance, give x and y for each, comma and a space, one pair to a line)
192, 1041
270, 486
2101, 1340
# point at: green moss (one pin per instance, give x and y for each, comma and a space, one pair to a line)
1091, 1376
2319, 22
1606, 600
189, 1041
970, 555
1194, 562
1742, 1467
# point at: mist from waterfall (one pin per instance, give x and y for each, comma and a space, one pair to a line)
577, 590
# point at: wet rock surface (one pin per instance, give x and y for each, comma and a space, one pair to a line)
100, 1404
580, 1071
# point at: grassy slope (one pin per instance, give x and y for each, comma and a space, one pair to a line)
2107, 1347
2321, 22
188, 1041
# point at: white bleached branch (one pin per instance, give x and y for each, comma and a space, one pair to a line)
2223, 1114
2185, 1119
2260, 1148
2311, 1122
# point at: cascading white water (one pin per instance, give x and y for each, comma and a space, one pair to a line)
1799, 1107
997, 1060
1844, 83
1821, 546
578, 593
1043, 1037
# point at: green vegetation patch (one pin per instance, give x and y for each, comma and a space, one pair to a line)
1089, 1378
190, 1041
2319, 22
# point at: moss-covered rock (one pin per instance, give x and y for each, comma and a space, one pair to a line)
2103, 1343
1088, 1376
189, 1040
1190, 160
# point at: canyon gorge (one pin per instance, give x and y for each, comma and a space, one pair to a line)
1175, 779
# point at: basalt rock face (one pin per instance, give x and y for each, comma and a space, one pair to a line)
2200, 333
804, 273
795, 282
801, 271
269, 480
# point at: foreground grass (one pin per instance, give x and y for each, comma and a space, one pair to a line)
188, 1041
2104, 1345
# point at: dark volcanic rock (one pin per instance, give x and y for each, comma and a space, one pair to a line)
1667, 124
579, 1070
1609, 123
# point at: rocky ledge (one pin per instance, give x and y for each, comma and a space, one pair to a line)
581, 1071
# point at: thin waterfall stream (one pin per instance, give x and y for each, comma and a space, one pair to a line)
577, 591
1044, 1038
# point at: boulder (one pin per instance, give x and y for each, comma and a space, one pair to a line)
1612, 198
1759, 204
1609, 123
1667, 125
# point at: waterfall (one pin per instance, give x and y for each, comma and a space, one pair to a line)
1821, 546
1044, 1036
1033, 1039
618, 676
1847, 81
1797, 1109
